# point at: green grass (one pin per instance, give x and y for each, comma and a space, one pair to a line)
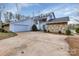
7, 35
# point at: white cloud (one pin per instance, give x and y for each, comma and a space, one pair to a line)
52, 9
74, 20
21, 5
13, 9
63, 10
26, 4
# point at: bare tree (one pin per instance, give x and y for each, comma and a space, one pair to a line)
18, 16
76, 20
77, 14
8, 16
2, 7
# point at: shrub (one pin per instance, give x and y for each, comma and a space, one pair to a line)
44, 29
34, 28
2, 30
77, 30
59, 32
68, 32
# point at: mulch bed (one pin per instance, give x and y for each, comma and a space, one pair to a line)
73, 42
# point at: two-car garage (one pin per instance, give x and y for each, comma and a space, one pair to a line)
21, 25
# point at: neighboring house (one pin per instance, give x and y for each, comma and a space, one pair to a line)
0, 20
0, 24
58, 24
21, 25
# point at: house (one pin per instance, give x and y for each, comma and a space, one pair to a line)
21, 25
50, 23
40, 23
57, 25
26, 24
41, 20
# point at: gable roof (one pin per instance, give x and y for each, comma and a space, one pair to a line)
21, 20
59, 20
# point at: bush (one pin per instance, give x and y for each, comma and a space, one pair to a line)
34, 28
2, 30
59, 32
68, 32
44, 28
77, 30
45, 31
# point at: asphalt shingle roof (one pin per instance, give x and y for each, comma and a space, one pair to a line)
59, 20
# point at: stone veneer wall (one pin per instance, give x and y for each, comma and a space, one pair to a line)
57, 27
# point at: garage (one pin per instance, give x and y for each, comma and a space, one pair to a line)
21, 25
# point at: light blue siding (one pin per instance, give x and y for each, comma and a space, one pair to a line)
21, 26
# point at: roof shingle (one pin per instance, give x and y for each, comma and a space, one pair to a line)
59, 20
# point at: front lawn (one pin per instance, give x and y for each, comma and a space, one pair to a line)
6, 35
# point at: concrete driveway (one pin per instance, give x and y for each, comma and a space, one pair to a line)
34, 43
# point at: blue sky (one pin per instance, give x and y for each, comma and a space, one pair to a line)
60, 9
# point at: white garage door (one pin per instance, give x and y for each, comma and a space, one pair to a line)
19, 28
